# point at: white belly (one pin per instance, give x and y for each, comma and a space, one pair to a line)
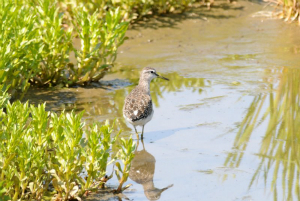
140, 122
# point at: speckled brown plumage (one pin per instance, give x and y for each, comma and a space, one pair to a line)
138, 105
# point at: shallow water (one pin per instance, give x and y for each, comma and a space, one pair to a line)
226, 125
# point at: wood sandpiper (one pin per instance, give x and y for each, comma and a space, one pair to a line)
138, 108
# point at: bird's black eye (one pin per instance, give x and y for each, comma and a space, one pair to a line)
152, 71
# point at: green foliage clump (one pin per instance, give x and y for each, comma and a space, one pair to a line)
37, 40
41, 150
18, 45
55, 44
96, 56
125, 155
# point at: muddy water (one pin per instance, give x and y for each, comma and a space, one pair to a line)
226, 126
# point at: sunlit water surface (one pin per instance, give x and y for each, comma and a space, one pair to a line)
226, 125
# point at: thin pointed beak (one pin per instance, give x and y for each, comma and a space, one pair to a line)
161, 77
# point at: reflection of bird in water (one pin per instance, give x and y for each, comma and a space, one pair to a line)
142, 172
138, 109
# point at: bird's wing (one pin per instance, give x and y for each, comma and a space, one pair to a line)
137, 106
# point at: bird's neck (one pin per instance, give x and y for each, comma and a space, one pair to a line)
148, 185
145, 86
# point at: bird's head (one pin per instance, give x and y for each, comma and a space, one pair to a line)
150, 73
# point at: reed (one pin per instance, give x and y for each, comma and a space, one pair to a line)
287, 9
279, 150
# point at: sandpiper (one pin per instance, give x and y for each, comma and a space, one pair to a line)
138, 108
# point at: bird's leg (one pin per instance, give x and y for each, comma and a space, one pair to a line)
137, 144
142, 137
143, 144
137, 134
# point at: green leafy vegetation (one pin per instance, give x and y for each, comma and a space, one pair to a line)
18, 46
126, 155
96, 57
39, 41
45, 154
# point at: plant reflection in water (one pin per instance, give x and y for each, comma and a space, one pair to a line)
142, 172
280, 146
